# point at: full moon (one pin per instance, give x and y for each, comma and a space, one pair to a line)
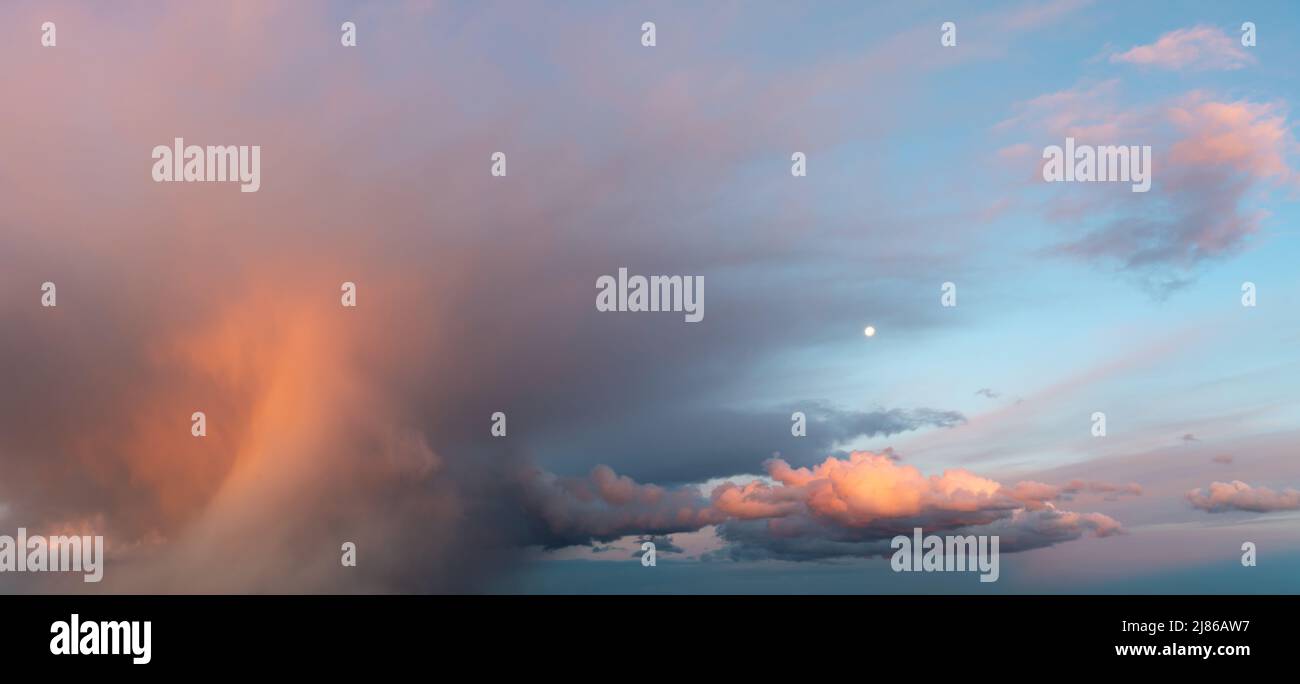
870, 331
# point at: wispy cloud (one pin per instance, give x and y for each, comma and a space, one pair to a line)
1196, 48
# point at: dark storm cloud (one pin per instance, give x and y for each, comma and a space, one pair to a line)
685, 444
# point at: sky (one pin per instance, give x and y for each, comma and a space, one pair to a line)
476, 294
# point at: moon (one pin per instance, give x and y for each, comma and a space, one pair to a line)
870, 331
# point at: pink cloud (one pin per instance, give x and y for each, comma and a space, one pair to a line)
1239, 496
1197, 48
753, 501
1252, 138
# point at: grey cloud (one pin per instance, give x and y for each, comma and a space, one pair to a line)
820, 541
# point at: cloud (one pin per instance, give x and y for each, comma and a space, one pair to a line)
1251, 138
1239, 496
1077, 486
1222, 458
1198, 48
605, 506
840, 507
663, 544
1213, 161
986, 392
867, 488
807, 539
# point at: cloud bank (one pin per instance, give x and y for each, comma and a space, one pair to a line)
841, 507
